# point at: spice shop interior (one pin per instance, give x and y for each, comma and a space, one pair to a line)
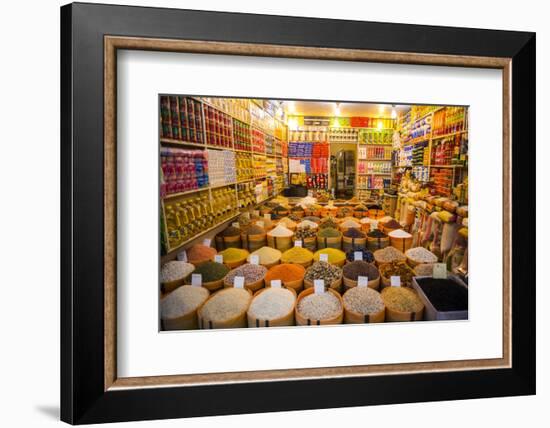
291, 212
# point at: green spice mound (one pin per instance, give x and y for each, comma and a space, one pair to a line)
329, 232
212, 271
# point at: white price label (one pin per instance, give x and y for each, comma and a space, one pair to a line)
395, 281
236, 224
196, 280
207, 242
218, 258
374, 225
260, 224
256, 213
363, 281
255, 259
182, 256
357, 255
267, 216
276, 283
319, 286
297, 243
323, 257
440, 271
238, 282
247, 215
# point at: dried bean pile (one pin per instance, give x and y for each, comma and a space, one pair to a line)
367, 255
251, 274
398, 269
174, 270
401, 299
421, 255
359, 268
272, 303
319, 306
304, 233
323, 270
226, 304
182, 301
363, 300
388, 255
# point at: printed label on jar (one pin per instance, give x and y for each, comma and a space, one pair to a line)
395, 281
319, 286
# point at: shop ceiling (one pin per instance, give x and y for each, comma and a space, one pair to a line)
323, 108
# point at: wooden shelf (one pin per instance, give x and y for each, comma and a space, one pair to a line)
439, 137
174, 142
187, 192
447, 166
374, 173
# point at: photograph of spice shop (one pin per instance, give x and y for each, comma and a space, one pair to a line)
304, 213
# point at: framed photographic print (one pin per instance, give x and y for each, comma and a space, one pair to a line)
310, 213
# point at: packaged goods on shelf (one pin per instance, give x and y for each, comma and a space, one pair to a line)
449, 120
241, 135
369, 182
218, 127
244, 166
375, 136
221, 167
343, 135
181, 119
183, 170
258, 141
373, 167
309, 133
259, 164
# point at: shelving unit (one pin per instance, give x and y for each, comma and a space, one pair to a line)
229, 134
430, 138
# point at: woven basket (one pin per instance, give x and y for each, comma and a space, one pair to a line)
353, 317
236, 321
301, 320
285, 320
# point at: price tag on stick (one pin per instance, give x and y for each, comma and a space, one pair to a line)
267, 216
323, 258
254, 259
363, 281
207, 242
260, 224
196, 280
357, 255
297, 243
182, 256
236, 224
440, 271
238, 282
319, 286
395, 281
276, 283
218, 258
